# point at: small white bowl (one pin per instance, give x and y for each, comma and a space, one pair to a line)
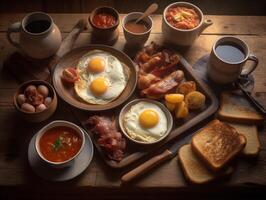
183, 37
137, 39
126, 108
53, 124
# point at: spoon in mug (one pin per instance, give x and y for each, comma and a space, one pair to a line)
151, 9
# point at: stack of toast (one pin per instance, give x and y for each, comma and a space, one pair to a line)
212, 149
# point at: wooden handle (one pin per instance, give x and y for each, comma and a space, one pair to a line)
146, 166
151, 9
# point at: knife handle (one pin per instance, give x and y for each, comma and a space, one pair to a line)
146, 166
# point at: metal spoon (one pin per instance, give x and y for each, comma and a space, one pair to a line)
151, 9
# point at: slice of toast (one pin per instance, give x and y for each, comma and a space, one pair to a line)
250, 132
194, 170
236, 108
217, 144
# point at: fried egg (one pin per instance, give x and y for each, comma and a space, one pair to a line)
102, 77
145, 122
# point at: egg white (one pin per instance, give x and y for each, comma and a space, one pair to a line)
113, 73
134, 128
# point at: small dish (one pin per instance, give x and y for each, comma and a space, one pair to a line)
81, 162
41, 115
183, 37
126, 108
105, 35
132, 38
68, 94
59, 123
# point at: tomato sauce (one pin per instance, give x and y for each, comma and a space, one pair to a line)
182, 17
60, 144
104, 20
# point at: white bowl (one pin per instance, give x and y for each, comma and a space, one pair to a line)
53, 124
183, 37
164, 109
137, 39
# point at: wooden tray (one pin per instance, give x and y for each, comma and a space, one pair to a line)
134, 151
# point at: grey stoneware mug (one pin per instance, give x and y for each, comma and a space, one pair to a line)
225, 71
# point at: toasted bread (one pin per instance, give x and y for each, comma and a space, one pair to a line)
236, 108
217, 144
193, 168
250, 132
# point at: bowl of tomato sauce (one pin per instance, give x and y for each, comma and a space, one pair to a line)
182, 23
59, 143
104, 21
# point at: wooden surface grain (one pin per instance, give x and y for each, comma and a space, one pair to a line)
16, 134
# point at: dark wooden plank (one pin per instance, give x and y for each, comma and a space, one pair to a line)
237, 7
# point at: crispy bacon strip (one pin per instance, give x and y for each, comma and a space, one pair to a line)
164, 85
109, 137
145, 81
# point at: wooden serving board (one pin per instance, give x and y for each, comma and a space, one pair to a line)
134, 152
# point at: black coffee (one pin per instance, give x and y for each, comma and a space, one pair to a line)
230, 52
38, 26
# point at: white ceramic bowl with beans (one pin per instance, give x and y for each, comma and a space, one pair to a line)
183, 37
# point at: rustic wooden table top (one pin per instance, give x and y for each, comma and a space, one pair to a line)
16, 134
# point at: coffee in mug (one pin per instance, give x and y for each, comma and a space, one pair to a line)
227, 60
39, 37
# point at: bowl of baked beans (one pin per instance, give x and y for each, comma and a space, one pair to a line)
182, 23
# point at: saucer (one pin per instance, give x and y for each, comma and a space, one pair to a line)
81, 162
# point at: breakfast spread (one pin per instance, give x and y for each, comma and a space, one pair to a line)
35, 98
168, 87
108, 136
182, 17
145, 122
59, 144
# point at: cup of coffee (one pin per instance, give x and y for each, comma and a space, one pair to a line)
227, 60
39, 37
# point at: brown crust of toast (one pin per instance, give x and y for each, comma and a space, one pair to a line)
244, 129
224, 146
214, 177
239, 119
186, 174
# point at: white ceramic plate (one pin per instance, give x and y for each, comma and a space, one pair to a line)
47, 172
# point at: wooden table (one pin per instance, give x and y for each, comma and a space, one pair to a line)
16, 134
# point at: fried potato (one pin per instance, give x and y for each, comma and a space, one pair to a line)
181, 110
195, 100
170, 106
186, 87
174, 98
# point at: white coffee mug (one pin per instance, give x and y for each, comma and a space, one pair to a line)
41, 44
222, 71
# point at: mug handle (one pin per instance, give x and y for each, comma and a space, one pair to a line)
255, 63
13, 28
205, 24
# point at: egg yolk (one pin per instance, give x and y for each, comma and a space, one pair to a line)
98, 86
96, 65
148, 118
